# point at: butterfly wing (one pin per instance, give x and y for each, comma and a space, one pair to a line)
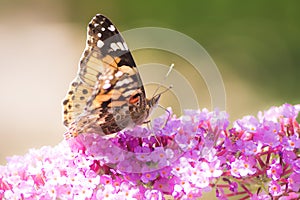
105, 48
107, 79
75, 101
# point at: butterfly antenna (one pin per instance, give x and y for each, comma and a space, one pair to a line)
165, 90
164, 80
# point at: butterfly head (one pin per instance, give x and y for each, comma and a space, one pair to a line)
152, 103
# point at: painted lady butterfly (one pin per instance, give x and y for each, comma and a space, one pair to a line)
107, 95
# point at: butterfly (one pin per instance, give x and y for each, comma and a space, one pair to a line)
107, 95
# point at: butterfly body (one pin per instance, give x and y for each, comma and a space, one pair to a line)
107, 95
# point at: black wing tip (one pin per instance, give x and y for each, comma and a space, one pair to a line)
103, 25
100, 15
100, 19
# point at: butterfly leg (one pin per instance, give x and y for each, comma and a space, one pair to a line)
149, 126
168, 113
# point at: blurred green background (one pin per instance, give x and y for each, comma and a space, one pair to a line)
257, 41
255, 44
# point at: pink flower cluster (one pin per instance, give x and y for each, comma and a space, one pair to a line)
258, 158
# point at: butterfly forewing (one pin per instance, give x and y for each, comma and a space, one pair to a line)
105, 49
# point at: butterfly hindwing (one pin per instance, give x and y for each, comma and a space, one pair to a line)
75, 100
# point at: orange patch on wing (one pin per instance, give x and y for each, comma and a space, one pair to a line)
111, 62
116, 104
102, 97
111, 95
134, 100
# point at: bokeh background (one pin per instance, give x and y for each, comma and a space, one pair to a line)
255, 44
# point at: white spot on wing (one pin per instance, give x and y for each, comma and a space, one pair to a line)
99, 35
95, 25
100, 43
121, 46
106, 86
125, 45
111, 28
118, 74
127, 93
114, 46
102, 29
123, 82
